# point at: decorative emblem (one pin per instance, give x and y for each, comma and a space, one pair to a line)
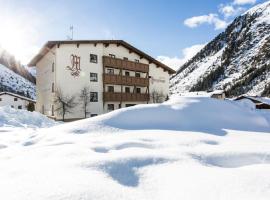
75, 65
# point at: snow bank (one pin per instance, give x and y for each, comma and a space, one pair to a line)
21, 118
199, 114
115, 162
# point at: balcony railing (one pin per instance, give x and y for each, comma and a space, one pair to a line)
115, 96
125, 64
125, 80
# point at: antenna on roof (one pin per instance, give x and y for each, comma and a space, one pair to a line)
70, 37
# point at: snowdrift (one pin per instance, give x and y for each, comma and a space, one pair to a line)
196, 114
120, 160
10, 117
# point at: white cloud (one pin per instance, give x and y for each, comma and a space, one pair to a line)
243, 2
212, 19
230, 10
177, 62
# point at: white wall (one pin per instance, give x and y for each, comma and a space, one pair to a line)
45, 78
73, 85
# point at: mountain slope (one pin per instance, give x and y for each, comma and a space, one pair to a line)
12, 82
11, 63
237, 60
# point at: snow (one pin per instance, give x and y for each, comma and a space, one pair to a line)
191, 147
243, 60
12, 80
10, 117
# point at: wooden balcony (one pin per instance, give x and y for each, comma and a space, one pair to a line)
119, 97
125, 80
125, 64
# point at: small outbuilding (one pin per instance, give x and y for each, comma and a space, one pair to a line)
16, 101
218, 94
260, 102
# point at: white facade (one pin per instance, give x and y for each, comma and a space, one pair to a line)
53, 74
14, 100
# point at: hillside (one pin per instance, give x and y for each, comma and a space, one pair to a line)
12, 82
236, 61
166, 153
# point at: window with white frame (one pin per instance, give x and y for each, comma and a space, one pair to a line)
93, 97
93, 58
93, 77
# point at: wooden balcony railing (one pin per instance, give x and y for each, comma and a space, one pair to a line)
125, 80
114, 96
125, 64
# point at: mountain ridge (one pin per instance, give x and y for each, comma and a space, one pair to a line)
237, 60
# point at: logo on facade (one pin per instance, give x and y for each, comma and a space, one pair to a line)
157, 80
75, 67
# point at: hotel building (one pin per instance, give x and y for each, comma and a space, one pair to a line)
117, 74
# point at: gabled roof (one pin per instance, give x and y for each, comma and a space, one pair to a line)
19, 96
255, 99
50, 44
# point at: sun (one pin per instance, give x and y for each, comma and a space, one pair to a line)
16, 37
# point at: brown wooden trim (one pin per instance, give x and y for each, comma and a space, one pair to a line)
125, 80
129, 97
125, 64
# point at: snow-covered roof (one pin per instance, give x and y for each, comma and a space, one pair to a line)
217, 92
17, 95
265, 100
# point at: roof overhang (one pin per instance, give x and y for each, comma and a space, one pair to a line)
50, 44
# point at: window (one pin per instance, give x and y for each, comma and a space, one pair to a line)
53, 67
129, 105
137, 74
15, 99
136, 60
93, 58
127, 74
127, 89
119, 106
125, 58
110, 89
93, 77
0, 99
12, 106
112, 55
52, 110
110, 107
93, 97
94, 115
19, 107
138, 90
110, 71
52, 87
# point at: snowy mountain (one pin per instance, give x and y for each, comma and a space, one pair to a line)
13, 82
237, 60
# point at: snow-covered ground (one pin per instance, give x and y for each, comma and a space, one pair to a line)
10, 118
191, 147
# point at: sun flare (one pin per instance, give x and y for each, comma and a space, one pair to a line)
16, 37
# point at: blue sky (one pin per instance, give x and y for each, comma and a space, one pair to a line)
159, 27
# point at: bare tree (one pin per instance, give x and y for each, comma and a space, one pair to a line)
64, 103
157, 97
85, 98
